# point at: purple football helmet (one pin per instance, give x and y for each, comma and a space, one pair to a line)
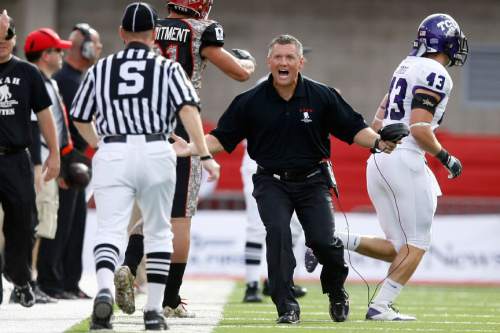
441, 33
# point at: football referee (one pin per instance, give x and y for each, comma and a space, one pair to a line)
134, 96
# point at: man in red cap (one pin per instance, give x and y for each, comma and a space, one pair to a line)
43, 47
22, 91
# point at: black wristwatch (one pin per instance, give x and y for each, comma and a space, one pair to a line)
206, 157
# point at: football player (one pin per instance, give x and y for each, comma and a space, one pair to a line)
402, 188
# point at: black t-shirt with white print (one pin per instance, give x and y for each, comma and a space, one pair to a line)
22, 89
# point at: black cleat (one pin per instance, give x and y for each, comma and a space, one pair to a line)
103, 310
252, 293
289, 317
23, 295
154, 321
310, 261
299, 291
339, 306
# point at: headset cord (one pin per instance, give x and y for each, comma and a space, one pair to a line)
402, 229
349, 252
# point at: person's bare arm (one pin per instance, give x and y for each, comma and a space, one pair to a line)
237, 69
191, 120
378, 119
47, 125
367, 138
420, 126
88, 132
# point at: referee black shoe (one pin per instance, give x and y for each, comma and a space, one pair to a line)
103, 310
289, 317
339, 305
154, 321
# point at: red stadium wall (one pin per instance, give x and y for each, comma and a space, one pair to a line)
477, 189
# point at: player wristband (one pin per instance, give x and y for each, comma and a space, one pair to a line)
206, 157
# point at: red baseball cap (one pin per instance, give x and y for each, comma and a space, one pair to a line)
44, 38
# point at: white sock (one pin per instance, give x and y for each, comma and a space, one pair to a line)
253, 257
351, 241
155, 296
388, 292
105, 280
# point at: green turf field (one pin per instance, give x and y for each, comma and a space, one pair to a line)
438, 309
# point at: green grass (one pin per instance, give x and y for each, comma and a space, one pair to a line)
438, 309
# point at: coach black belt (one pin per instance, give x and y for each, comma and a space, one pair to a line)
9, 150
290, 175
123, 138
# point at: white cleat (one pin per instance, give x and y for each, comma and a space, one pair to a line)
179, 312
386, 312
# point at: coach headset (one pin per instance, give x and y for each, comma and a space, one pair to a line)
87, 49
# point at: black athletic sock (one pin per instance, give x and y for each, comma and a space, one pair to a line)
134, 253
171, 296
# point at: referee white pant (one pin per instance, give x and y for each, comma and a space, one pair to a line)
404, 192
135, 170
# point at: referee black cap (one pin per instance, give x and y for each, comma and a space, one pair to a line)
139, 16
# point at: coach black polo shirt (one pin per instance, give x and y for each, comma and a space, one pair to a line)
21, 90
290, 134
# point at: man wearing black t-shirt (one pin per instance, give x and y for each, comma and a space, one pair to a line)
287, 121
22, 90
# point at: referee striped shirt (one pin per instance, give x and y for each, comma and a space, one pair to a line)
133, 91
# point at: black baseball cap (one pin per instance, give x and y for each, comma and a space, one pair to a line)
139, 16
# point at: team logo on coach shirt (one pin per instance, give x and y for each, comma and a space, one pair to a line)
5, 102
305, 114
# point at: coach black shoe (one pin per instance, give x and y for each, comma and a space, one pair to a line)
103, 310
252, 293
24, 295
289, 317
154, 321
339, 306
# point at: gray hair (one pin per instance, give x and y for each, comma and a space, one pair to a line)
286, 40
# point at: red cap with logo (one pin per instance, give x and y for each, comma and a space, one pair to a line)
43, 39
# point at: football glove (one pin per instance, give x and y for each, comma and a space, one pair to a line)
451, 163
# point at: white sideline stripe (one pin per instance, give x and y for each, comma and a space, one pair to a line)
357, 329
492, 323
205, 298
430, 315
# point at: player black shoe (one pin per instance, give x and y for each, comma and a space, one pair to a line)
154, 321
103, 310
339, 305
252, 293
24, 295
289, 317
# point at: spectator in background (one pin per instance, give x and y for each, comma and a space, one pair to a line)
44, 48
60, 261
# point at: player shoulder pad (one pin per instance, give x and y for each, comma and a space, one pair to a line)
433, 76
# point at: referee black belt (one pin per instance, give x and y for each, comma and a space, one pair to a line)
290, 175
123, 138
10, 150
